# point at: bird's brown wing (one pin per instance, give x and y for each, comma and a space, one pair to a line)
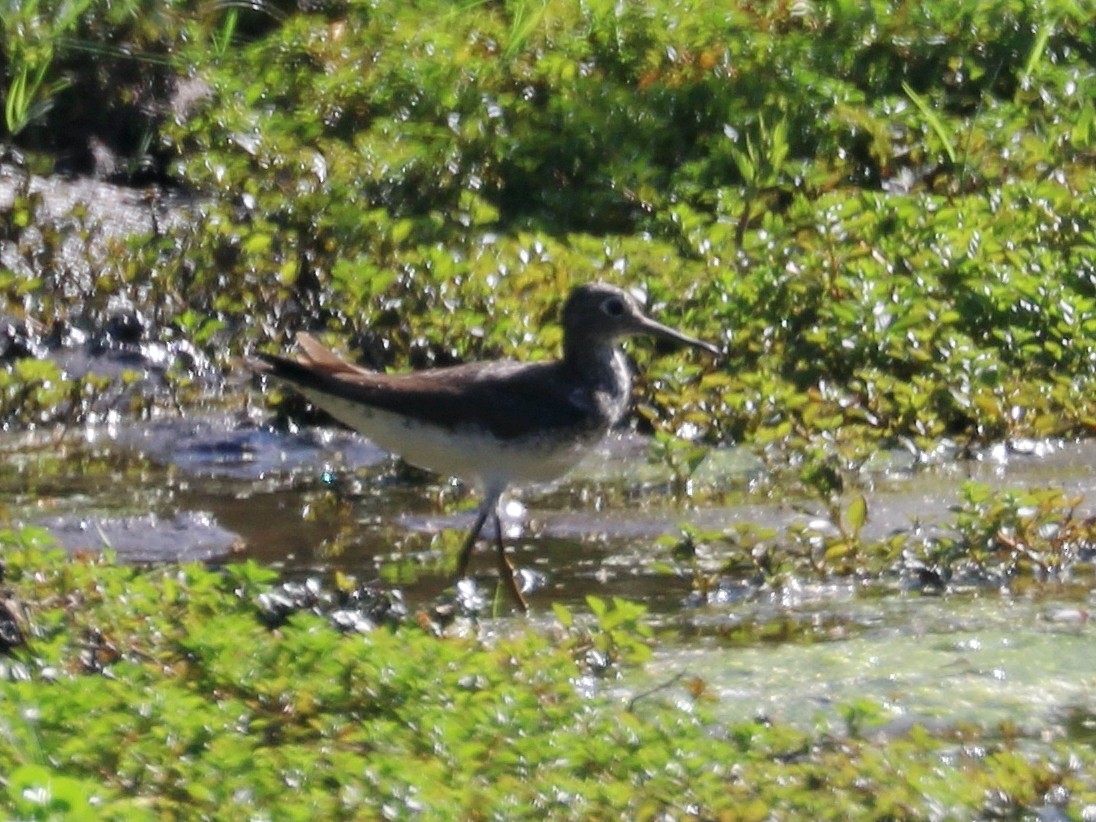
508, 399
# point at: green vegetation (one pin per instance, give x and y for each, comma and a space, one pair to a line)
885, 212
143, 694
32, 30
1013, 539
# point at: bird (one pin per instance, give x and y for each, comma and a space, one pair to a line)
491, 423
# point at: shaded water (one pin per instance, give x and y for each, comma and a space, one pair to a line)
308, 502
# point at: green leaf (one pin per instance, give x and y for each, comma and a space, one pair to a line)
563, 614
597, 605
857, 513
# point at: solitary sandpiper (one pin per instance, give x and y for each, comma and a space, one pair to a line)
490, 423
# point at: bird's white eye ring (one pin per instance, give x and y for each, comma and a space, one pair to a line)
614, 307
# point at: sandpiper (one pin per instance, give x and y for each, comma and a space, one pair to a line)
492, 423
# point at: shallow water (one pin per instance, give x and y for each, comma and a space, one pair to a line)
309, 502
926, 660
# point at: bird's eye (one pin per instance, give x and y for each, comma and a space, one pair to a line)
614, 306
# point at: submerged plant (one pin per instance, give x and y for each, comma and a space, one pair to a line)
1000, 535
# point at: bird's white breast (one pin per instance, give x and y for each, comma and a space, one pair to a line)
468, 453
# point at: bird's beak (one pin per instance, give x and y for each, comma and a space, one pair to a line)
645, 325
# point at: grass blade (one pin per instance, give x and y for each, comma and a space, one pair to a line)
934, 121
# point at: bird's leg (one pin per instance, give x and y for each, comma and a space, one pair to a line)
508, 574
487, 507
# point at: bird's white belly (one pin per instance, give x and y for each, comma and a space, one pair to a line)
467, 453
